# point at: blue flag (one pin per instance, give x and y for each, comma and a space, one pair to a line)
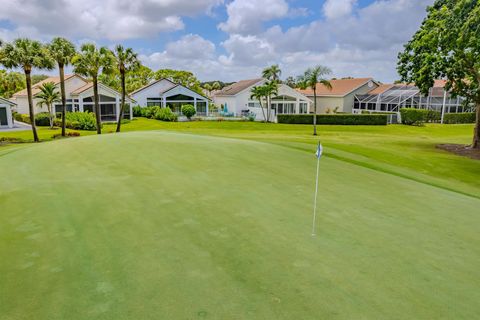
319, 152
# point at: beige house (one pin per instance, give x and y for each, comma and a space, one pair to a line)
79, 95
341, 97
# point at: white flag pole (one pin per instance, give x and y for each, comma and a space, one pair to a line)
319, 153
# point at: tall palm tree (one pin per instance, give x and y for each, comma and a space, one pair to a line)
27, 54
62, 51
258, 93
310, 79
272, 73
126, 61
47, 96
89, 62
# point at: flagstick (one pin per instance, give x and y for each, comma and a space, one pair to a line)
315, 201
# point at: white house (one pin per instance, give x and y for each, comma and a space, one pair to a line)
6, 120
236, 100
165, 93
79, 95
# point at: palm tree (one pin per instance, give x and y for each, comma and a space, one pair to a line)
310, 79
62, 51
48, 96
258, 93
126, 61
272, 73
271, 90
27, 54
89, 62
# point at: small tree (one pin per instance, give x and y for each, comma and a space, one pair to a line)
310, 79
48, 96
447, 46
259, 93
188, 111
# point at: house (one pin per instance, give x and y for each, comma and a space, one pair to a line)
341, 96
6, 119
79, 96
393, 97
236, 100
165, 93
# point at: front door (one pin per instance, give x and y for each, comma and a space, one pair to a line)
3, 116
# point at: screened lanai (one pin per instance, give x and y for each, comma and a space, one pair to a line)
400, 96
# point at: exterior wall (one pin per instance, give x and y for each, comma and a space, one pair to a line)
8, 110
152, 91
231, 102
71, 84
344, 104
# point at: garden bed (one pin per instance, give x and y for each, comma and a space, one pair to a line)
461, 150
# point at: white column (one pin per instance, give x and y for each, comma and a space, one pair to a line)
206, 102
9, 116
117, 107
444, 102
80, 104
297, 106
195, 103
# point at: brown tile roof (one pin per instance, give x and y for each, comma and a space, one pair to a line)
381, 88
340, 87
36, 86
237, 87
82, 88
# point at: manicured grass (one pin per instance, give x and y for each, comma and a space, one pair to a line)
162, 225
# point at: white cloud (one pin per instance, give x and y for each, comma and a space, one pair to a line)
246, 16
110, 19
338, 8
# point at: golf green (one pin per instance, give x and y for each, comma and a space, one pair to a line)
162, 225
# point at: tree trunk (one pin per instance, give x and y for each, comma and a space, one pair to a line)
476, 130
261, 107
97, 105
122, 106
314, 111
30, 104
64, 99
49, 107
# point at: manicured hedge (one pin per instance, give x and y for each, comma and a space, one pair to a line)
463, 117
78, 121
336, 119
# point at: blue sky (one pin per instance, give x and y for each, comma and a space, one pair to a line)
231, 39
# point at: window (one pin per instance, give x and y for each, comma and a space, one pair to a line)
201, 107
152, 102
303, 107
3, 116
180, 97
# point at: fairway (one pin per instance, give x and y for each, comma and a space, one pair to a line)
164, 225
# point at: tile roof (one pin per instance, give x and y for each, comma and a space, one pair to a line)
340, 87
36, 86
381, 88
237, 87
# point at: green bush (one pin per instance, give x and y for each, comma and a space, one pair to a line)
149, 112
188, 111
137, 111
42, 119
165, 114
81, 120
336, 119
22, 117
463, 117
414, 117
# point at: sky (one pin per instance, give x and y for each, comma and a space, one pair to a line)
231, 40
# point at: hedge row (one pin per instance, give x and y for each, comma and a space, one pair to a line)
415, 117
155, 112
73, 120
336, 119
463, 117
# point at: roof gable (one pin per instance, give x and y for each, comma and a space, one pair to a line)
5, 101
151, 84
238, 87
340, 87
36, 86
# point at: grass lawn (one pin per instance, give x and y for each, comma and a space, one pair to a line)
196, 225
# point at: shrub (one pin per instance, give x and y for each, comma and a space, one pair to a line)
165, 114
137, 111
22, 117
414, 117
336, 119
463, 117
42, 119
149, 112
188, 110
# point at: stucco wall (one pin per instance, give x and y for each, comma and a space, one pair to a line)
152, 91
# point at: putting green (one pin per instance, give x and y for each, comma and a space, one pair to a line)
155, 225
